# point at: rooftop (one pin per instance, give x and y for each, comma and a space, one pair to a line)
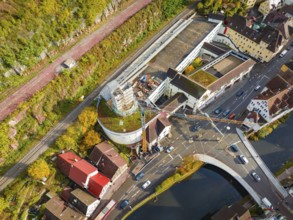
156, 127
185, 84
118, 123
203, 78
83, 196
268, 34
108, 151
56, 209
225, 66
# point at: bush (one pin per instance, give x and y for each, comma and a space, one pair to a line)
39, 169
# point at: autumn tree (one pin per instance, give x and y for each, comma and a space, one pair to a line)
3, 204
91, 138
39, 169
88, 117
65, 142
189, 70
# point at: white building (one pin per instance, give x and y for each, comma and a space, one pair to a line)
123, 100
274, 101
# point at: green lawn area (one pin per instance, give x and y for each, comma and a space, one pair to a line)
112, 121
203, 78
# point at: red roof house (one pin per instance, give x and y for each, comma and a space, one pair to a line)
66, 160
98, 185
81, 172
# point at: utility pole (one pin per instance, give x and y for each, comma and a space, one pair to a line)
213, 124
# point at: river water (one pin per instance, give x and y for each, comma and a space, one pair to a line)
209, 189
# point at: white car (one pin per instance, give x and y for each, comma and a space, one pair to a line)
255, 176
146, 184
257, 88
169, 149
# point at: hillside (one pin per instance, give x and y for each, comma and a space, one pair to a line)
32, 30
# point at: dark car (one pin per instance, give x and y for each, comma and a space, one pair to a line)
234, 148
195, 128
124, 203
218, 111
139, 176
240, 93
226, 112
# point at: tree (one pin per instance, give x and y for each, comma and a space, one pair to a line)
199, 6
91, 138
189, 70
3, 204
88, 117
65, 142
39, 169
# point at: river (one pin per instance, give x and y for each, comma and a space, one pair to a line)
209, 189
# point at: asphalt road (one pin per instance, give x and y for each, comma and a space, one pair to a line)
165, 163
61, 127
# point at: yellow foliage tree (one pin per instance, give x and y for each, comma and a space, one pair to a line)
88, 117
91, 138
189, 69
39, 169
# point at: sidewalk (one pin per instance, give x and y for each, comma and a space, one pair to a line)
262, 165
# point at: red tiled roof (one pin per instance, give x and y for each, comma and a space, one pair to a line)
80, 171
66, 160
97, 183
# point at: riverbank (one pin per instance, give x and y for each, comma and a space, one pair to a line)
188, 167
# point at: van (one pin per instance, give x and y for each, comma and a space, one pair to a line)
243, 159
267, 203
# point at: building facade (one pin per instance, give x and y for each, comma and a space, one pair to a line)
262, 44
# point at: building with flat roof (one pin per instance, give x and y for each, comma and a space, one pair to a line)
108, 161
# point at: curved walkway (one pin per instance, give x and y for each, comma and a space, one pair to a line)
217, 163
11, 102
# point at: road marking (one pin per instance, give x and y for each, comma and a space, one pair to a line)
180, 156
170, 156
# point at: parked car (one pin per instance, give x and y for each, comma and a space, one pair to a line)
124, 203
239, 93
226, 112
232, 116
243, 159
255, 176
234, 148
195, 128
146, 184
257, 88
169, 149
139, 176
218, 111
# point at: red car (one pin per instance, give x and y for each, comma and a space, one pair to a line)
232, 116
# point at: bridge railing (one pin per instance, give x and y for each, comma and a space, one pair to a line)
262, 165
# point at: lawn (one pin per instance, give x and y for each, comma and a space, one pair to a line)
113, 122
203, 78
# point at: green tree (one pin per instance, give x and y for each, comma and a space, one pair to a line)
91, 138
3, 204
65, 142
88, 117
199, 6
39, 169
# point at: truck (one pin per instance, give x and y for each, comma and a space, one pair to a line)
283, 53
137, 168
266, 203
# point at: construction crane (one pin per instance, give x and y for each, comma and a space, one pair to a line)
142, 118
